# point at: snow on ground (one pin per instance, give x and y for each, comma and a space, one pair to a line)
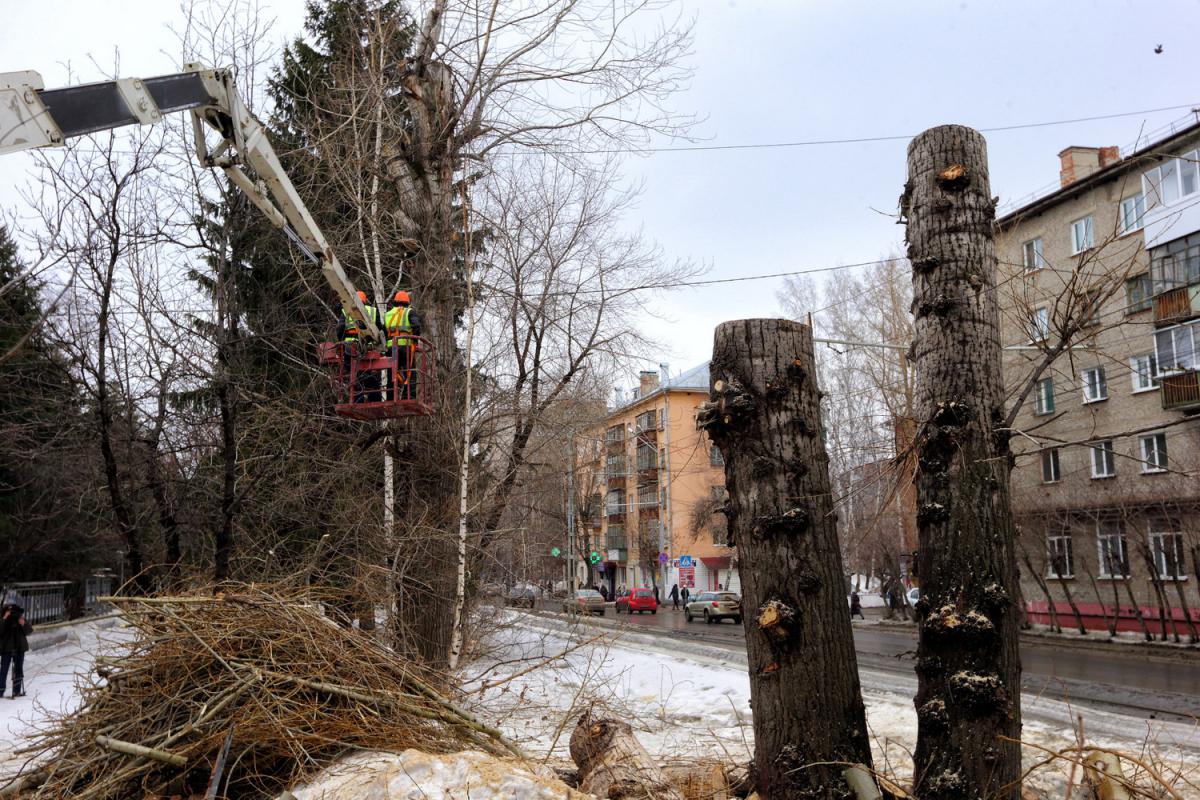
690, 700
51, 676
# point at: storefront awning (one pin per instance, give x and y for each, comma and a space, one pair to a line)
716, 562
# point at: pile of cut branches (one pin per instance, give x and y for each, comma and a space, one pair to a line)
247, 689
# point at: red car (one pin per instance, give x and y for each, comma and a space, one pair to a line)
638, 600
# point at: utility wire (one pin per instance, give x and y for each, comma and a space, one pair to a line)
855, 140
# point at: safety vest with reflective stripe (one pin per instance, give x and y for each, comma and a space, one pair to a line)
397, 322
352, 331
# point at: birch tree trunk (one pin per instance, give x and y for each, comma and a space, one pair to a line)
968, 669
764, 414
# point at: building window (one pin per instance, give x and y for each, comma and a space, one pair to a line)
1103, 463
614, 503
1039, 325
615, 434
1032, 251
1175, 264
1171, 180
647, 456
1132, 211
1142, 371
1060, 556
1050, 468
1043, 397
1110, 546
1154, 452
1167, 547
1095, 385
1083, 235
714, 457
1175, 348
1137, 293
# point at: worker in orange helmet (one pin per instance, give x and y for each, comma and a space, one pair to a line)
402, 324
366, 386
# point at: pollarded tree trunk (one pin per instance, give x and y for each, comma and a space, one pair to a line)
968, 670
764, 414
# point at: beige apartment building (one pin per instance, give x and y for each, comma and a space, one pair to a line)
1105, 484
654, 481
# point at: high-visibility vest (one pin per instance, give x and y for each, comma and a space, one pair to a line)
353, 334
397, 322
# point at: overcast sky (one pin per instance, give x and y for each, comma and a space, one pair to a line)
786, 71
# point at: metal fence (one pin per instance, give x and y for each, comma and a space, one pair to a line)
43, 601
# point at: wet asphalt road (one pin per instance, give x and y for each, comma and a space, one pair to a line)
1119, 678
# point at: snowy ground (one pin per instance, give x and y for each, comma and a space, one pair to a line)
50, 683
688, 700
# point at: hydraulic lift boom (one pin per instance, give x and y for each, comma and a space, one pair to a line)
31, 116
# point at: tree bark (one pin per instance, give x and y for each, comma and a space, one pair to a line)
613, 764
968, 669
764, 414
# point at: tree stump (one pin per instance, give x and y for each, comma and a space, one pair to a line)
764, 414
613, 764
968, 672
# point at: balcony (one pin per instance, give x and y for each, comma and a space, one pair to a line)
1180, 391
1176, 305
615, 541
615, 436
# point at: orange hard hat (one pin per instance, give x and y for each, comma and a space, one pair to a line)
402, 297
362, 296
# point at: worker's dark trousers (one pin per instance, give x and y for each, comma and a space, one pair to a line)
17, 660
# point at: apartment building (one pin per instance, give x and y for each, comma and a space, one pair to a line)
1105, 485
654, 480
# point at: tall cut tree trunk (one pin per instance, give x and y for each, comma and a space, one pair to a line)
968, 670
764, 414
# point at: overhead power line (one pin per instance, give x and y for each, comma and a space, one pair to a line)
701, 148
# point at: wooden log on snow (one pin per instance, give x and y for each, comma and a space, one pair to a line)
613, 764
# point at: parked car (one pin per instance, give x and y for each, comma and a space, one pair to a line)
585, 601
639, 600
714, 607
914, 594
522, 596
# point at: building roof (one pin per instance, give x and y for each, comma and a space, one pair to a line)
694, 378
1134, 160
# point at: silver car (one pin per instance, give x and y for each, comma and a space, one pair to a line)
714, 607
585, 601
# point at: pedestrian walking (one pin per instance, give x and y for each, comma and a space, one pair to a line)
684, 594
675, 597
14, 630
856, 606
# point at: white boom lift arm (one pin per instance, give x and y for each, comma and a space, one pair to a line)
32, 117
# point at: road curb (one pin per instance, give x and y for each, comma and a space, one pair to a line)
1101, 643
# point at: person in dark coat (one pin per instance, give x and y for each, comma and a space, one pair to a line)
675, 596
683, 595
856, 606
14, 630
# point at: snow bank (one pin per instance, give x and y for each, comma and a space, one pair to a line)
413, 775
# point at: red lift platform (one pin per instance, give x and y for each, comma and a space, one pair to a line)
372, 384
